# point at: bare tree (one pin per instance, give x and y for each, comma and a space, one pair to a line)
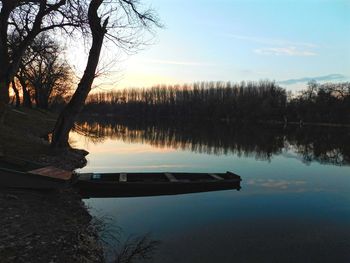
29, 18
46, 70
120, 21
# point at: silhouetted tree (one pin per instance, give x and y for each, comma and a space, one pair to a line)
328, 103
100, 28
15, 90
262, 100
27, 101
46, 70
26, 19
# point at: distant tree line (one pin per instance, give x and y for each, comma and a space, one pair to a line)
328, 102
206, 100
227, 101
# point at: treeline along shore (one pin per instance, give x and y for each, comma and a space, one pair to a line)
327, 103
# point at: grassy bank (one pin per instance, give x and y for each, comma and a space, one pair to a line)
37, 226
24, 134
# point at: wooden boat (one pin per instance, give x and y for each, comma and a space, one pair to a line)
17, 173
152, 184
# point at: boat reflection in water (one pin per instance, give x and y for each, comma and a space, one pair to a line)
153, 184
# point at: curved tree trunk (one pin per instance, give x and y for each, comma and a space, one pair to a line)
69, 114
15, 90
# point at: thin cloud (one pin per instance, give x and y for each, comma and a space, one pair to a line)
285, 51
330, 77
271, 41
280, 47
277, 184
175, 62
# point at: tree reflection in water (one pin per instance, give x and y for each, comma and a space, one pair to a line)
326, 145
137, 248
117, 249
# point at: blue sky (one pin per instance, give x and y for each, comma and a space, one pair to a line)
202, 40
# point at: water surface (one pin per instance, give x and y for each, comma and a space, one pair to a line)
294, 205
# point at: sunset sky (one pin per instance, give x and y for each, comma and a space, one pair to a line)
290, 42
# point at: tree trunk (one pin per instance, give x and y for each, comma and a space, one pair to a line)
4, 99
36, 96
69, 114
43, 100
42, 96
27, 102
6, 9
4, 91
15, 90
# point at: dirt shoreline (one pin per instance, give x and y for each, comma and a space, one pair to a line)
43, 226
46, 227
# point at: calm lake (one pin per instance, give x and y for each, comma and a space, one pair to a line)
294, 204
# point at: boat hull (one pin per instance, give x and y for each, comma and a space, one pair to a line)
100, 188
24, 180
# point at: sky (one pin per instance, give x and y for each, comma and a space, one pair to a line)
290, 42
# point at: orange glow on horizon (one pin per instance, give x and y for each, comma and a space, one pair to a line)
133, 80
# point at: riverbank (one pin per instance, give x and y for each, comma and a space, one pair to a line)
25, 134
171, 119
37, 226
